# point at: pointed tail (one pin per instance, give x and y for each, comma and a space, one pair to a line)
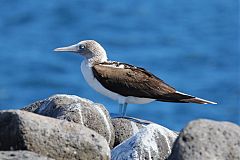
192, 99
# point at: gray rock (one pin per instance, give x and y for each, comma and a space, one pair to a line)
208, 139
125, 128
33, 107
78, 110
21, 155
151, 142
58, 139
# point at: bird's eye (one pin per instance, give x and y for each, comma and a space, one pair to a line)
81, 47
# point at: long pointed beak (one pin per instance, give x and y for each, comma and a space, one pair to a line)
72, 48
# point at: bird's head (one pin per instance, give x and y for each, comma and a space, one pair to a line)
89, 49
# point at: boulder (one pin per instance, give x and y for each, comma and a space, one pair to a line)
21, 155
207, 139
151, 142
76, 109
125, 127
58, 139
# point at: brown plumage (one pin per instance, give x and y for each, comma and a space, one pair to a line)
128, 80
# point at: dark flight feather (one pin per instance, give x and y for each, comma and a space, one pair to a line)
135, 81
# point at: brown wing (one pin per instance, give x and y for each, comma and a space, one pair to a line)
134, 81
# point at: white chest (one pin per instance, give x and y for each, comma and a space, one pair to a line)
93, 82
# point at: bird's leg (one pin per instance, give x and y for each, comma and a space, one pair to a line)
122, 109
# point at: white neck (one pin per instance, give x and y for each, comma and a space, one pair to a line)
96, 59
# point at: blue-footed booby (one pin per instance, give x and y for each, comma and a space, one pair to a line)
123, 82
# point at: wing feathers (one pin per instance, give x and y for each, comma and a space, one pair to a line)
128, 80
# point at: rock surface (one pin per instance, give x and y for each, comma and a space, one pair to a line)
58, 139
125, 128
208, 139
21, 155
92, 134
78, 110
151, 142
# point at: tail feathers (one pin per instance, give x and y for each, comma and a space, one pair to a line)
198, 101
191, 99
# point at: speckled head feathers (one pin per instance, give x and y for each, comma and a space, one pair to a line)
90, 49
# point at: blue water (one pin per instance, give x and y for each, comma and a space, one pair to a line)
192, 45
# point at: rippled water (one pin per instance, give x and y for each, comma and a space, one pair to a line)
192, 45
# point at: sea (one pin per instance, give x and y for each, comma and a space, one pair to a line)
191, 45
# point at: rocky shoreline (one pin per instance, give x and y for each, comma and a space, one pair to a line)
70, 127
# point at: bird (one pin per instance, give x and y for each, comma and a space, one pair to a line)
122, 82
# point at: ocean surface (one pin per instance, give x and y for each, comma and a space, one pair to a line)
191, 45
